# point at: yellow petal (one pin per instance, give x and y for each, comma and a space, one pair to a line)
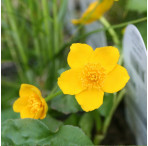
45, 109
79, 55
90, 99
115, 80
70, 82
26, 113
107, 57
27, 90
94, 11
19, 104
75, 21
38, 115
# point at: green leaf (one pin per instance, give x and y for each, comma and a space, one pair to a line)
8, 97
73, 119
9, 114
107, 104
86, 123
142, 27
65, 103
70, 136
137, 5
24, 131
52, 124
30, 131
97, 119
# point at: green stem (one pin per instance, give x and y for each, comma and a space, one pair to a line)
16, 34
31, 6
115, 26
110, 30
109, 117
48, 30
55, 22
51, 96
16, 60
99, 30
5, 82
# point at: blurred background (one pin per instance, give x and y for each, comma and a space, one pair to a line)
35, 42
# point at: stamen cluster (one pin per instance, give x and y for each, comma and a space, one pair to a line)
92, 76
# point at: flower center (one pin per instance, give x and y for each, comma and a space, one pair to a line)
34, 104
92, 76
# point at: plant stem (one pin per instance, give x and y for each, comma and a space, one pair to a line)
102, 29
55, 22
47, 28
115, 26
51, 96
109, 117
16, 34
5, 82
110, 30
15, 59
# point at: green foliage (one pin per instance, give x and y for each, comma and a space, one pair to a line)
142, 27
33, 51
52, 123
107, 104
8, 114
65, 104
73, 119
86, 123
33, 38
137, 5
8, 98
97, 120
29, 131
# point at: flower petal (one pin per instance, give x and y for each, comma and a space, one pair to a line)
70, 82
107, 57
38, 115
115, 80
90, 99
45, 109
27, 90
79, 55
19, 104
26, 113
94, 11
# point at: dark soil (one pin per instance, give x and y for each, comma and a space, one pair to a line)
119, 132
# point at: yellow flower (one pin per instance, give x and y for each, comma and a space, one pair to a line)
94, 11
92, 73
30, 104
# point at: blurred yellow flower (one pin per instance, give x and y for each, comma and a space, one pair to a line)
94, 11
92, 73
30, 104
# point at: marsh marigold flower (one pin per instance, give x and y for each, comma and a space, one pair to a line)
30, 104
92, 73
94, 11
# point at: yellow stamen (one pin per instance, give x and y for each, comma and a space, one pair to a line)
34, 105
92, 76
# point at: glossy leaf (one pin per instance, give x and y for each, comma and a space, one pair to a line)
107, 104
30, 131
65, 103
86, 123
52, 124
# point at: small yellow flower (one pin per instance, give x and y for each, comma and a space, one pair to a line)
30, 104
92, 73
94, 11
